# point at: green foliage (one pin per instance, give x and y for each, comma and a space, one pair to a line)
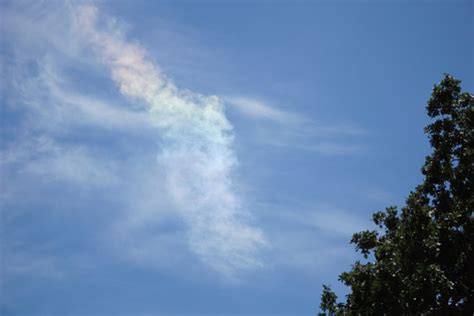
328, 300
422, 259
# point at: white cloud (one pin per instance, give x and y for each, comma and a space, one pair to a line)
292, 130
334, 221
193, 177
197, 154
315, 236
53, 104
260, 110
44, 158
55, 140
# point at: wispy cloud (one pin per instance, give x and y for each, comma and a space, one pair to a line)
328, 219
293, 130
48, 160
197, 153
69, 133
258, 109
315, 235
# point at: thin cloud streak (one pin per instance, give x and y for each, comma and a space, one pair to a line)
257, 109
51, 161
292, 130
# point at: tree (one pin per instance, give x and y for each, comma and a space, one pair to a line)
421, 260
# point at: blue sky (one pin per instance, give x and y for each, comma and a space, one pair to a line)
204, 157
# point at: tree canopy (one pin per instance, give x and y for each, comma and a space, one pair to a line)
419, 259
